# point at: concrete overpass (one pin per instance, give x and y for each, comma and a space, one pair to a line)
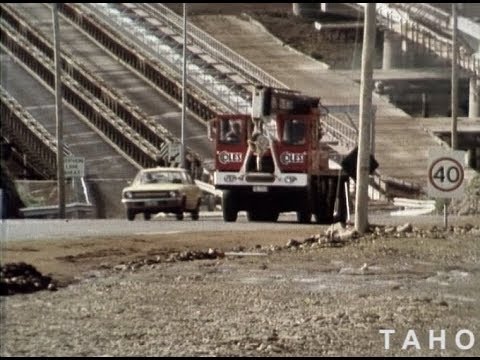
408, 26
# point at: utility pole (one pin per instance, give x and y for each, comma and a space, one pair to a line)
184, 84
59, 115
454, 140
366, 88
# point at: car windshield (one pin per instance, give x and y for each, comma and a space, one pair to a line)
162, 177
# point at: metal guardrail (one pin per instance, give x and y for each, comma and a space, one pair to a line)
426, 14
209, 188
217, 49
157, 135
29, 135
90, 107
346, 134
208, 81
140, 63
34, 140
412, 207
72, 210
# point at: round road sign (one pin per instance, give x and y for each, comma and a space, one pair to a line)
445, 174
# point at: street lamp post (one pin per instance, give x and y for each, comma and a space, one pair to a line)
184, 84
454, 139
59, 114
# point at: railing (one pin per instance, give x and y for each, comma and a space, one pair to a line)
403, 21
346, 134
216, 48
37, 196
158, 136
426, 14
236, 100
40, 147
90, 107
29, 136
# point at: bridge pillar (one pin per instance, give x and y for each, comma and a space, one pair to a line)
408, 53
392, 45
474, 98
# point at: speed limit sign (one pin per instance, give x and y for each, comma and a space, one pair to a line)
446, 174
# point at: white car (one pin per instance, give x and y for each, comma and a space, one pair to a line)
162, 189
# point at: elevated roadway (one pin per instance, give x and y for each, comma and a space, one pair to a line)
104, 182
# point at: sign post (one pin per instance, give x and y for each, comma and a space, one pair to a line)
446, 176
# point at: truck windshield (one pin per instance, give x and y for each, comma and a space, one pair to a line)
294, 132
231, 131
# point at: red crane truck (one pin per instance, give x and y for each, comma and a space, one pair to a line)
272, 161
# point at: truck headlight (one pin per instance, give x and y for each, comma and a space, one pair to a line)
127, 195
290, 179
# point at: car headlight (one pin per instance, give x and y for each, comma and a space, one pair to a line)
127, 195
174, 193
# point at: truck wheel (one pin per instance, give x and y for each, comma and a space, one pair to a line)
322, 217
147, 216
274, 216
229, 207
196, 212
304, 216
324, 210
130, 214
253, 216
179, 216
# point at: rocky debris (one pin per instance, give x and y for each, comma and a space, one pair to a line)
190, 255
406, 228
293, 243
22, 278
347, 235
334, 229
435, 232
338, 235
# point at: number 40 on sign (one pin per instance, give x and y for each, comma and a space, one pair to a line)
446, 174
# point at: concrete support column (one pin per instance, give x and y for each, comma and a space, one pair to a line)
408, 54
474, 98
392, 45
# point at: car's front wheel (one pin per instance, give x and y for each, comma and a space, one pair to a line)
196, 212
130, 214
179, 216
147, 216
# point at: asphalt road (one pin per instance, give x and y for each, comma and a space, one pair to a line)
33, 229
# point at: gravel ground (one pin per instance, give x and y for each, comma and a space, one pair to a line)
300, 301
